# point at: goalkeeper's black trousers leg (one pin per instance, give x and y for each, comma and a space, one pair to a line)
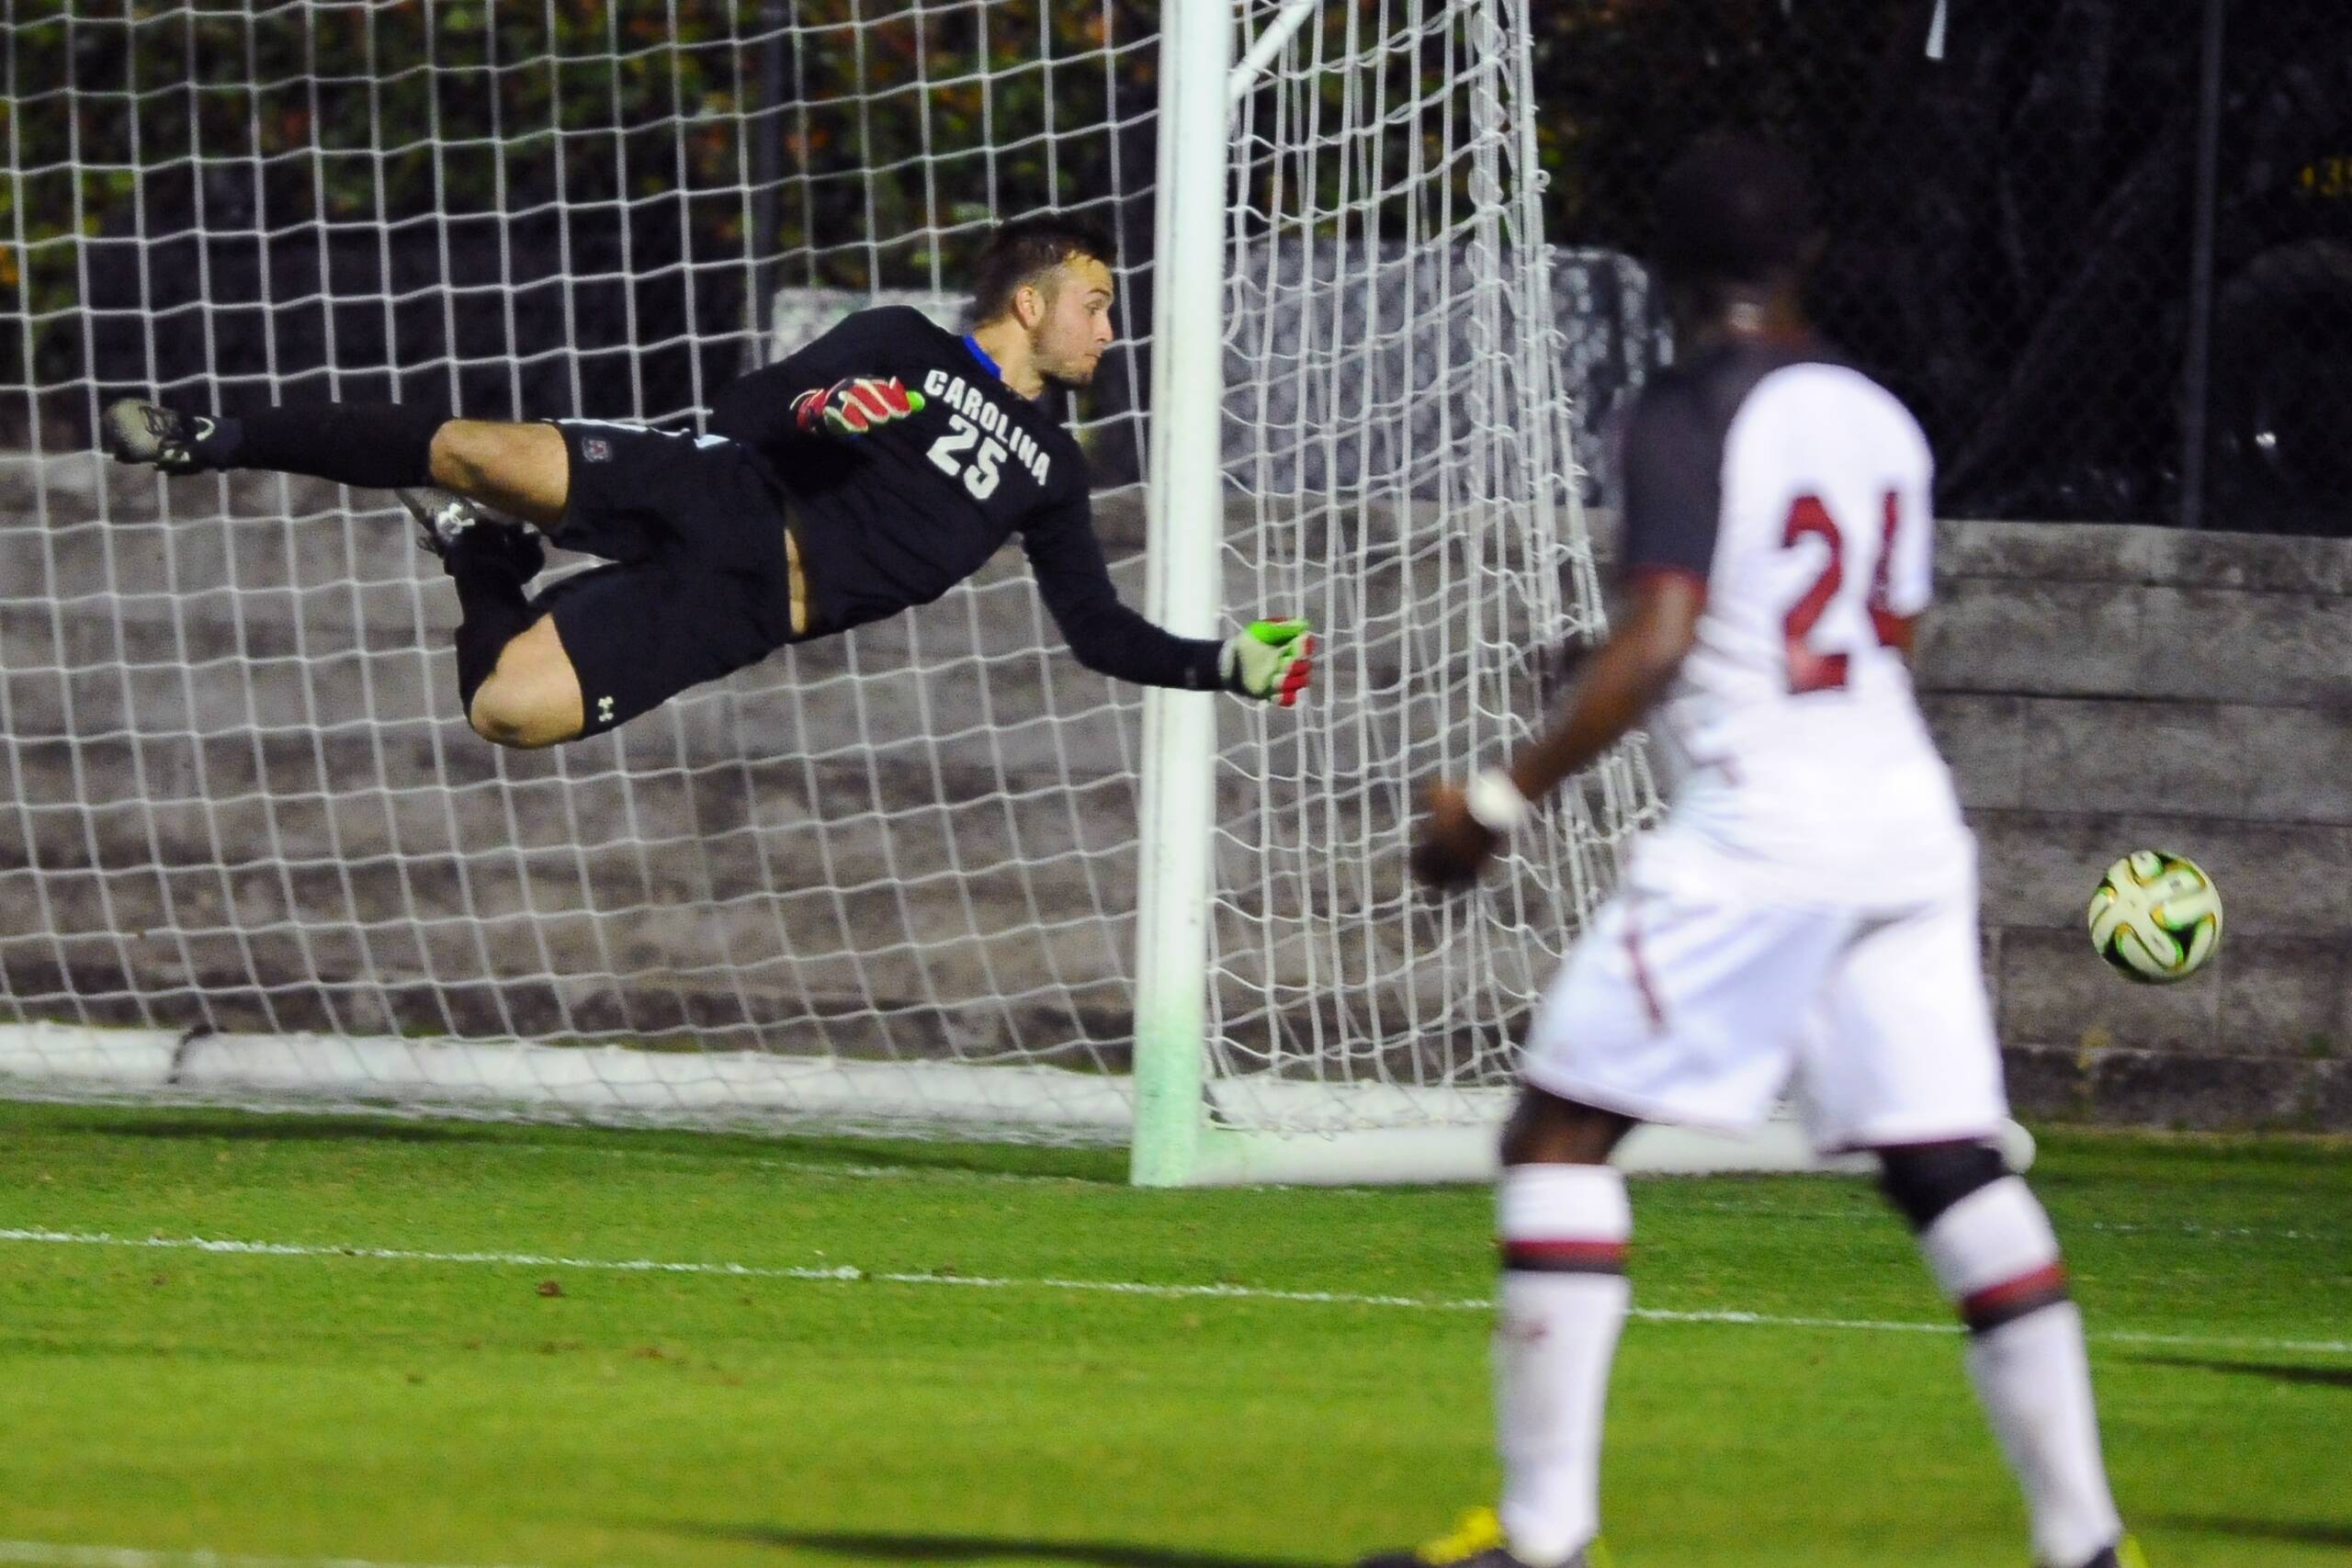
495, 612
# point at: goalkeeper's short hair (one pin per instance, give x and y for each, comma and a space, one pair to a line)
1017, 251
1733, 210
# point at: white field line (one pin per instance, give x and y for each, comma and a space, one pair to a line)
844, 1273
50, 1554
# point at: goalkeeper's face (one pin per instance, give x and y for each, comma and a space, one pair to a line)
1067, 342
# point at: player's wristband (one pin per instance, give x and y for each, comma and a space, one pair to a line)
1494, 802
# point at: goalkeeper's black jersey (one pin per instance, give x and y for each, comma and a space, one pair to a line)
899, 516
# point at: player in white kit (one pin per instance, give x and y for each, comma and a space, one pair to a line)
1807, 911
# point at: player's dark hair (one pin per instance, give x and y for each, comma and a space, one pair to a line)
1733, 210
1021, 249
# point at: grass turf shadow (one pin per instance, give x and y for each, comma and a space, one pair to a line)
2274, 1371
891, 1547
2298, 1532
298, 1128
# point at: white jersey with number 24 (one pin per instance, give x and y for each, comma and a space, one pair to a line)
1794, 751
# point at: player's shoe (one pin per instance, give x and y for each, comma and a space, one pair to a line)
2124, 1554
442, 519
1477, 1541
449, 527
159, 437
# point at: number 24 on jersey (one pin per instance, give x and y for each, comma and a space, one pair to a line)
1811, 667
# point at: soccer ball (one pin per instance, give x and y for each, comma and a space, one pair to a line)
2156, 916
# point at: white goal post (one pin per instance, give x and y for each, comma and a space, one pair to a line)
1387, 314
931, 878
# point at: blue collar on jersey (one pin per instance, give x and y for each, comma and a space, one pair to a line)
981, 355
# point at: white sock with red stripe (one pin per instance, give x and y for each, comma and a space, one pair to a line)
1563, 1299
1994, 1255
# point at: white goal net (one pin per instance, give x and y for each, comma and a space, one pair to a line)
251, 855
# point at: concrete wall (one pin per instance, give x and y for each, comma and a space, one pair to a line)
2096, 689
2104, 688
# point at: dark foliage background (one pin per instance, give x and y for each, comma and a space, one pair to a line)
545, 209
2012, 228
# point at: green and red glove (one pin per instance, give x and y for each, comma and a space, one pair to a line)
854, 405
1271, 660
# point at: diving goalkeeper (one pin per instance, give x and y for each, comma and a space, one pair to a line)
871, 471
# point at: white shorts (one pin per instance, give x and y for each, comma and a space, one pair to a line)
1691, 1003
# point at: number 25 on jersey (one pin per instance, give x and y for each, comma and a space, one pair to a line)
980, 474
1813, 668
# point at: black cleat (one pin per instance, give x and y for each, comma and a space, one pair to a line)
442, 519
2124, 1554
1477, 1542
158, 437
449, 527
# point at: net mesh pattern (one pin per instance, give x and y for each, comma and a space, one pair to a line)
253, 854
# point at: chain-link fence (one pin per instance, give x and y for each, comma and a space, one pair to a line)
2103, 247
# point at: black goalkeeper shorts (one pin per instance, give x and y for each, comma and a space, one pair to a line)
701, 583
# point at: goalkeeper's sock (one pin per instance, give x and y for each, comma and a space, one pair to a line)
1563, 1299
375, 445
495, 612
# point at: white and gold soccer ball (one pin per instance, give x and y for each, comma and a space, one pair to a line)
2156, 917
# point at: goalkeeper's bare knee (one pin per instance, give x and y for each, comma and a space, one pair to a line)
522, 470
532, 698
505, 716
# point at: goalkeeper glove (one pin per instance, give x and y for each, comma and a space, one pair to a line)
1271, 660
854, 405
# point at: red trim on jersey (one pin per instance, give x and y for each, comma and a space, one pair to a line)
1642, 981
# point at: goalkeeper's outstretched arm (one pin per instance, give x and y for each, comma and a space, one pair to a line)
1271, 660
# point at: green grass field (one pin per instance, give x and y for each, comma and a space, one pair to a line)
436, 1348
